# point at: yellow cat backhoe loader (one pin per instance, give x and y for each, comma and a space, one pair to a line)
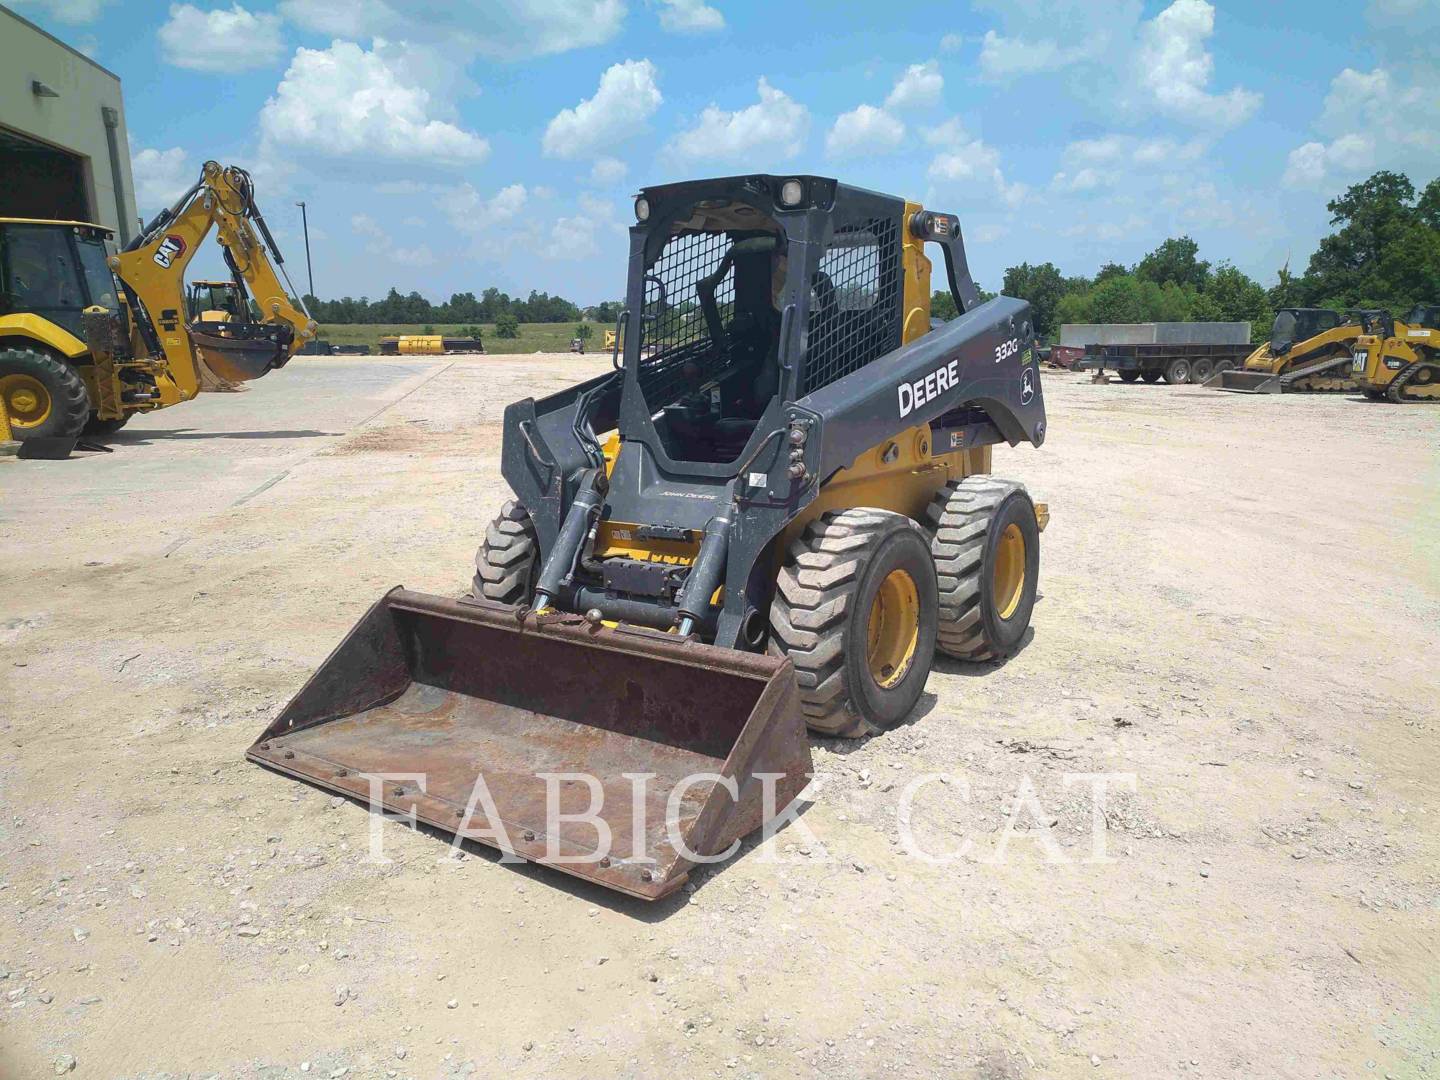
88, 338
1400, 361
771, 513
1309, 350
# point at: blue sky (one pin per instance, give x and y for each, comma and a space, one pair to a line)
444, 146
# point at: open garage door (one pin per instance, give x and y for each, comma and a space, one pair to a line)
39, 181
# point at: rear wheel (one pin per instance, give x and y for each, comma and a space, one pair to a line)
1223, 365
1150, 376
44, 397
508, 562
986, 544
1129, 376
1201, 369
1177, 371
855, 610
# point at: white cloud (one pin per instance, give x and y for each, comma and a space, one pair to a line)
73, 12
690, 17
774, 127
1317, 164
966, 163
1175, 68
1083, 180
1385, 118
626, 98
607, 170
1049, 35
469, 211
952, 43
864, 131
918, 88
497, 29
161, 177
580, 236
378, 242
220, 40
1114, 148
346, 102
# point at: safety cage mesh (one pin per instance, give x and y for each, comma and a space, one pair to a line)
854, 301
673, 331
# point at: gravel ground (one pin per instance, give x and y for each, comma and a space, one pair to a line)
1240, 609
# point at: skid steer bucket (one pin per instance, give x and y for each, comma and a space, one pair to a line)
618, 755
1245, 382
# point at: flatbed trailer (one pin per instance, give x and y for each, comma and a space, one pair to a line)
1175, 363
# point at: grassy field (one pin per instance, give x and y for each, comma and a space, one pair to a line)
534, 337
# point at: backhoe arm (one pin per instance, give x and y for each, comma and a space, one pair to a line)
152, 272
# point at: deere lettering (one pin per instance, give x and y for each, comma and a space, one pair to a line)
913, 395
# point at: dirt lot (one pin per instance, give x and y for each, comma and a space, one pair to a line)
1240, 607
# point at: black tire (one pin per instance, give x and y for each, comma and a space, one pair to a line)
1150, 376
970, 520
66, 405
1223, 365
1201, 368
821, 618
1177, 371
1129, 376
508, 562
96, 426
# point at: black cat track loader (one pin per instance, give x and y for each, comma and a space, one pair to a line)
770, 514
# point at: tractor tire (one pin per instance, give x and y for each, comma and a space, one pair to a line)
96, 426
1150, 376
1129, 376
855, 610
508, 562
1177, 371
986, 544
44, 396
1201, 368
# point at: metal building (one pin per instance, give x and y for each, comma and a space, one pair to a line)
63, 148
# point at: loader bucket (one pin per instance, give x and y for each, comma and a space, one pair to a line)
1245, 382
546, 737
237, 359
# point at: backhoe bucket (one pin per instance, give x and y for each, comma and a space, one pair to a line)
237, 359
622, 756
1245, 382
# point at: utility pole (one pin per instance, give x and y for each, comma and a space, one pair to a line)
305, 225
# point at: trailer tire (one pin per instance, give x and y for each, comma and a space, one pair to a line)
45, 396
508, 562
1129, 376
986, 545
1150, 375
1177, 371
1201, 368
855, 610
1223, 365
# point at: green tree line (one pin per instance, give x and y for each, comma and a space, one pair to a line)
1383, 252
464, 307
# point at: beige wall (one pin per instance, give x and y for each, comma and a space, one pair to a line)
72, 121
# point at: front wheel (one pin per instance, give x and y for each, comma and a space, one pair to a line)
45, 398
855, 610
508, 562
986, 544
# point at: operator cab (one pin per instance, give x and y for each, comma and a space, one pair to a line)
1424, 315
710, 329
55, 269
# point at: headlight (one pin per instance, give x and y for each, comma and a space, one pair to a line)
642, 209
791, 192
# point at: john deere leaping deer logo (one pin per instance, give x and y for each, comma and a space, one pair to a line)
171, 248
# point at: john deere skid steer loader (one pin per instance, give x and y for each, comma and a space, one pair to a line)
771, 513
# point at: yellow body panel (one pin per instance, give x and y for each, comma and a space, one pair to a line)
1329, 342
42, 332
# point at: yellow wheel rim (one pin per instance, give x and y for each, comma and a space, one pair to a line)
894, 628
1009, 580
26, 400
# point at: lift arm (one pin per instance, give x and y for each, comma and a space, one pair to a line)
152, 273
